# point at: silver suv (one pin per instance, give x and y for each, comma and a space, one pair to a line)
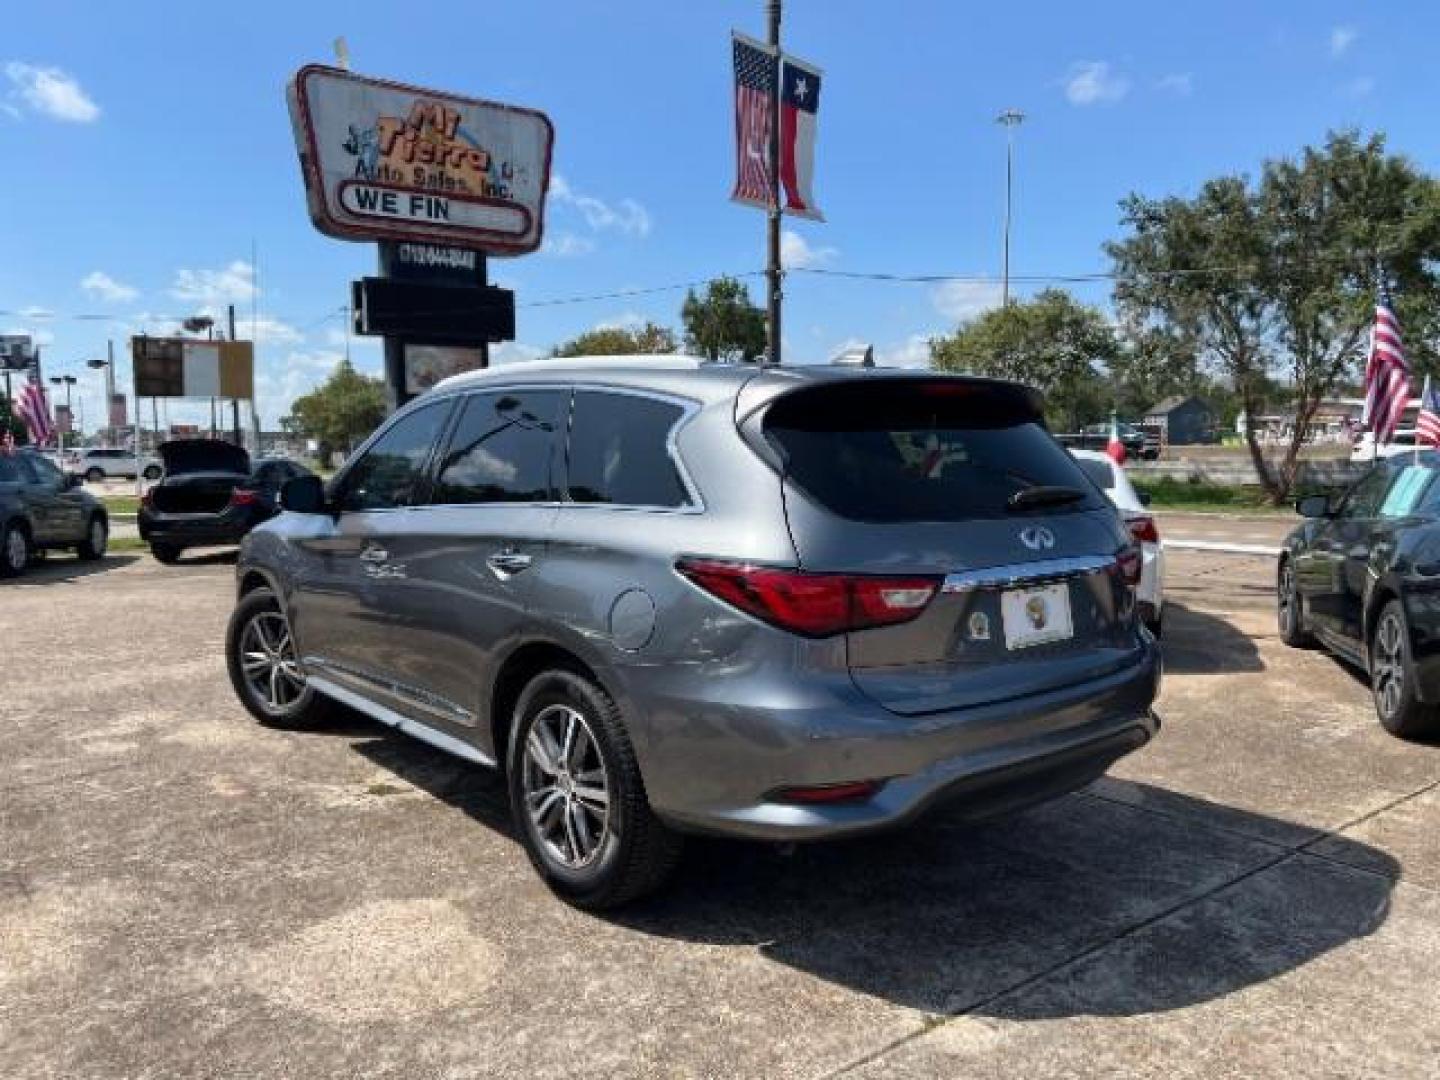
667, 596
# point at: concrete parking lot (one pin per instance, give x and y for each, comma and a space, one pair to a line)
183, 892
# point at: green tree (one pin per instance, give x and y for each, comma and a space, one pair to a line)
1277, 280
11, 423
340, 411
723, 324
1052, 341
620, 341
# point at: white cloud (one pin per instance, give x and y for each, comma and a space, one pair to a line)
50, 92
797, 254
102, 286
1180, 83
36, 336
567, 245
913, 352
626, 216
35, 311
962, 300
511, 352
1361, 87
1093, 83
626, 320
234, 284
1341, 38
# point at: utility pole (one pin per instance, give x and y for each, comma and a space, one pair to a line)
772, 266
1011, 119
235, 402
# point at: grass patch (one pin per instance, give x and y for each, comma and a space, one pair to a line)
126, 543
1168, 493
121, 504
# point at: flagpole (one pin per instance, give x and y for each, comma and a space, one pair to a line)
772, 265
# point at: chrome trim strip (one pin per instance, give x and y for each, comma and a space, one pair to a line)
421, 699
405, 725
1029, 573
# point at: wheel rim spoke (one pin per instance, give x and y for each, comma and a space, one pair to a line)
565, 787
268, 662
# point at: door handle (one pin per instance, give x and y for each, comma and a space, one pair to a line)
373, 553
505, 563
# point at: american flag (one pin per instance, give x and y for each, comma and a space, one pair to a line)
755, 78
1387, 378
1427, 424
34, 411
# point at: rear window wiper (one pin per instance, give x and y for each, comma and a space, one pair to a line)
1043, 495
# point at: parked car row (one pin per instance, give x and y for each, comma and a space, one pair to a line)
102, 463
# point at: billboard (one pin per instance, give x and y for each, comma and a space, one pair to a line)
386, 161
118, 418
180, 367
426, 365
17, 352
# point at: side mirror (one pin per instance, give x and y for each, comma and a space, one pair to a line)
303, 495
1313, 506
1144, 497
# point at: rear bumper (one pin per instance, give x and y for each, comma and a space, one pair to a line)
991, 759
194, 530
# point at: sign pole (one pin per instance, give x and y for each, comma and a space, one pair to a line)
772, 265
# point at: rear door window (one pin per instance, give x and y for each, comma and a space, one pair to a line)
620, 451
503, 449
897, 450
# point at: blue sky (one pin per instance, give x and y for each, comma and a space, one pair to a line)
147, 148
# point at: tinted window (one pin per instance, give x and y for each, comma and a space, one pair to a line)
618, 451
1368, 493
889, 450
391, 473
43, 471
10, 470
1098, 472
503, 449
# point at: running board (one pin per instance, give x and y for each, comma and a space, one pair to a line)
404, 724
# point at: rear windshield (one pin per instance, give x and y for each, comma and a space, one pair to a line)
1098, 471
921, 450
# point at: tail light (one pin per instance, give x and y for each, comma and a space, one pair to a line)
815, 605
244, 497
1143, 529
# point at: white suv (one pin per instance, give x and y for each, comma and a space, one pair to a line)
97, 463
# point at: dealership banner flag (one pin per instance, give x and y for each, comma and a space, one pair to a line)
799, 110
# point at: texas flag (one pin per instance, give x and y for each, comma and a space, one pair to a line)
799, 105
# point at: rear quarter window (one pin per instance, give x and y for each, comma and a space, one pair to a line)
920, 450
620, 453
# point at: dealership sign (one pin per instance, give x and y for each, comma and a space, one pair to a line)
385, 161
182, 367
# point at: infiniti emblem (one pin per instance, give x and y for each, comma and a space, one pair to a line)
1037, 538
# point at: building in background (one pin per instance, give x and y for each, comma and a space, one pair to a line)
1182, 420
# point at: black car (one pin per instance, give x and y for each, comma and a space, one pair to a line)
1361, 576
211, 494
43, 509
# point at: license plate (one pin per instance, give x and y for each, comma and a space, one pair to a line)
1036, 616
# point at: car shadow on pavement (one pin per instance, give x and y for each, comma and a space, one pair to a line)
1200, 643
1128, 901
54, 569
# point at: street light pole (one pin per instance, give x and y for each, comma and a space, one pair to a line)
772, 263
1011, 119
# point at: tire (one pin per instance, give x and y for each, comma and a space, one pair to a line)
152, 473
634, 852
1392, 678
15, 550
168, 554
1289, 613
1156, 625
265, 670
94, 476
97, 536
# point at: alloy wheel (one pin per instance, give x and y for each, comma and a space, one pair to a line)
1387, 665
268, 662
1285, 597
98, 536
17, 551
566, 787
